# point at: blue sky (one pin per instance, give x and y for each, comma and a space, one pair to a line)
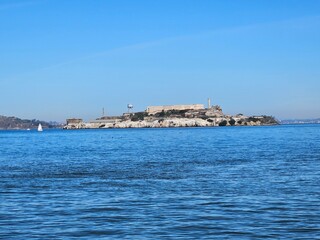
71, 58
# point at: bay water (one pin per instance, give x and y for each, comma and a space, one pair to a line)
177, 183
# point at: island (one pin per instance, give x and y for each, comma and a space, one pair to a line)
194, 115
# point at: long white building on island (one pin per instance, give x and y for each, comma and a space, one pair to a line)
157, 109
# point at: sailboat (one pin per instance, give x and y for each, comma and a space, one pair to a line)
40, 128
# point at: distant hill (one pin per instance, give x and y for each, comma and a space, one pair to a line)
17, 123
301, 121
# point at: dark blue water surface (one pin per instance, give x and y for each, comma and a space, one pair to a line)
187, 183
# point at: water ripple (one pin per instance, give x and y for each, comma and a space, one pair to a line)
195, 183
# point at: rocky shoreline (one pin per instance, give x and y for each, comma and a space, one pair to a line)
171, 122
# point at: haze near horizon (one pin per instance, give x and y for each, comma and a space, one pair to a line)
64, 59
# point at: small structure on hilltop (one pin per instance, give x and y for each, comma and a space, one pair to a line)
130, 107
214, 111
71, 121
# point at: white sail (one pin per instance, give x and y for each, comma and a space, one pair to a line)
39, 128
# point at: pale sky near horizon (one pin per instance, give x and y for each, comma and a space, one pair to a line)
62, 59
